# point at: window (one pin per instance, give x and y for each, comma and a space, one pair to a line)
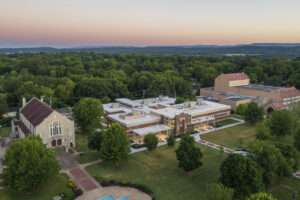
55, 128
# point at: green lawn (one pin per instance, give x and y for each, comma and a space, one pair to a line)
88, 157
226, 122
158, 170
81, 142
286, 188
237, 137
5, 131
54, 188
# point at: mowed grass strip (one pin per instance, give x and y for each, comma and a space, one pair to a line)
56, 186
88, 157
237, 137
159, 171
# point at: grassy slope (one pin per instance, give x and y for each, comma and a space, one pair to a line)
81, 142
5, 131
88, 157
57, 185
158, 170
231, 137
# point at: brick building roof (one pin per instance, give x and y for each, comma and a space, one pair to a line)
288, 92
236, 76
36, 111
278, 105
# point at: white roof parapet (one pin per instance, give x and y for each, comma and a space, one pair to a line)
128, 102
151, 129
134, 121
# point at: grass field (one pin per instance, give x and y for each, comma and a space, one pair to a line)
226, 122
286, 188
5, 131
158, 170
81, 142
237, 137
88, 157
57, 185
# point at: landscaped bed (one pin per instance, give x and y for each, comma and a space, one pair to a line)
226, 122
56, 186
158, 170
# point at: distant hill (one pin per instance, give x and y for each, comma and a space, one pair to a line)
258, 49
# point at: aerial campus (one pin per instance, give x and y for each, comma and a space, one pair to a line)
213, 113
149, 100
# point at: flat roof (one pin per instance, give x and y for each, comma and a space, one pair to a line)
133, 121
264, 88
110, 109
128, 102
206, 106
151, 129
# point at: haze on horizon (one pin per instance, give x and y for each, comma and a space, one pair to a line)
65, 23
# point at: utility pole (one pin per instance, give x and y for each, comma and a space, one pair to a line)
143, 94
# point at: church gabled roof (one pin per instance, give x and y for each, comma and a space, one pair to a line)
36, 111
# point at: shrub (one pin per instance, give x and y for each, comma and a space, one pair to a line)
151, 142
171, 140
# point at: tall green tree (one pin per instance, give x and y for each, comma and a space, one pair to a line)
217, 191
281, 123
151, 141
88, 113
3, 104
262, 131
188, 155
241, 109
254, 113
291, 155
94, 140
297, 140
274, 166
115, 144
242, 174
29, 164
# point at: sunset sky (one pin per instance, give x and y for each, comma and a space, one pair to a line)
65, 23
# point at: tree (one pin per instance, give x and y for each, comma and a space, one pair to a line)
297, 140
3, 104
269, 158
254, 113
261, 196
262, 131
217, 191
94, 140
88, 113
115, 144
242, 174
171, 140
241, 109
150, 141
29, 164
179, 100
290, 154
281, 123
187, 154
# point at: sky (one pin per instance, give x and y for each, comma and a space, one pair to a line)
69, 23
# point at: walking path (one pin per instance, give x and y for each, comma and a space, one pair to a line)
92, 190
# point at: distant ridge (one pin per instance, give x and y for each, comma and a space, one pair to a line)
257, 49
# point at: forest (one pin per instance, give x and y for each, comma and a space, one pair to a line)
68, 76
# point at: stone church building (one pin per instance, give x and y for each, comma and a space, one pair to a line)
36, 117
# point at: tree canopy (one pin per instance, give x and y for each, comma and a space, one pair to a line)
188, 155
217, 191
29, 164
88, 113
254, 113
242, 174
281, 123
261, 196
241, 109
115, 144
94, 140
